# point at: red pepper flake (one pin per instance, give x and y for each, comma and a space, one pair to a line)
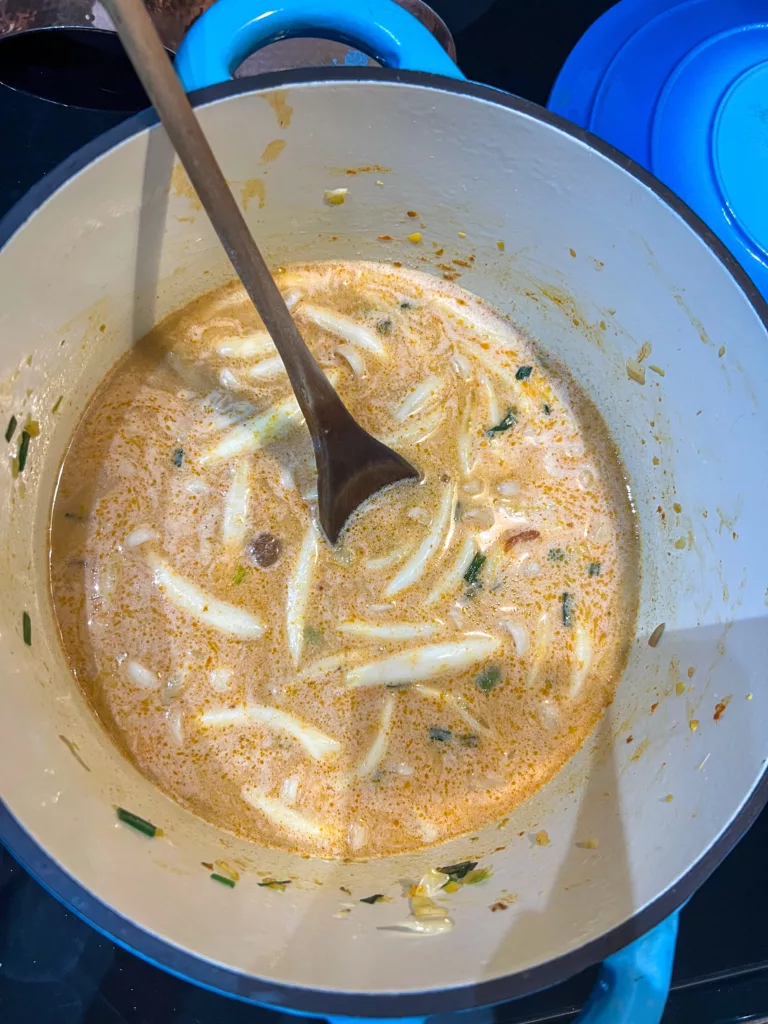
439, 252
630, 738
385, 238
656, 635
461, 263
504, 903
511, 539
412, 213
654, 706
720, 708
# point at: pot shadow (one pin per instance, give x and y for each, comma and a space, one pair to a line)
598, 820
717, 685
153, 216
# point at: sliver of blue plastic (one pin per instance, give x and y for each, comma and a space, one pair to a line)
633, 984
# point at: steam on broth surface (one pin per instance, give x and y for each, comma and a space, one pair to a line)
418, 681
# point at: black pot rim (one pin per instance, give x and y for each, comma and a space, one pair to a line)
352, 1004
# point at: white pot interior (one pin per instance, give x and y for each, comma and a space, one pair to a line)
594, 264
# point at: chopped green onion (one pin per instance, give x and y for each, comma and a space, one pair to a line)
223, 879
523, 372
474, 567
313, 635
56, 404
469, 739
23, 450
556, 555
458, 871
567, 609
384, 326
488, 678
26, 628
594, 569
477, 876
11, 428
546, 410
239, 575
439, 734
507, 423
272, 883
178, 457
140, 824
377, 896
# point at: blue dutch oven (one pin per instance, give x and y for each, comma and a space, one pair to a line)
589, 253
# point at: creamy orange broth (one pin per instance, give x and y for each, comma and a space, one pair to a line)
419, 680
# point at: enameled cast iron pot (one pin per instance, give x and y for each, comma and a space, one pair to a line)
597, 259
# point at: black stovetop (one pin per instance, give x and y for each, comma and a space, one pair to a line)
55, 969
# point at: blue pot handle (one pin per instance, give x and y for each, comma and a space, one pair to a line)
231, 30
633, 984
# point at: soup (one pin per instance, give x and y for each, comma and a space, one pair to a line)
420, 679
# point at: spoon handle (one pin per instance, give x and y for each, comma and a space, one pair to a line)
137, 32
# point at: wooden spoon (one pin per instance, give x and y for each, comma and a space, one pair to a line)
351, 465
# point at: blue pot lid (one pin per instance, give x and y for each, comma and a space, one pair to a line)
681, 86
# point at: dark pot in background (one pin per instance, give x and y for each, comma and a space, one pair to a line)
64, 78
